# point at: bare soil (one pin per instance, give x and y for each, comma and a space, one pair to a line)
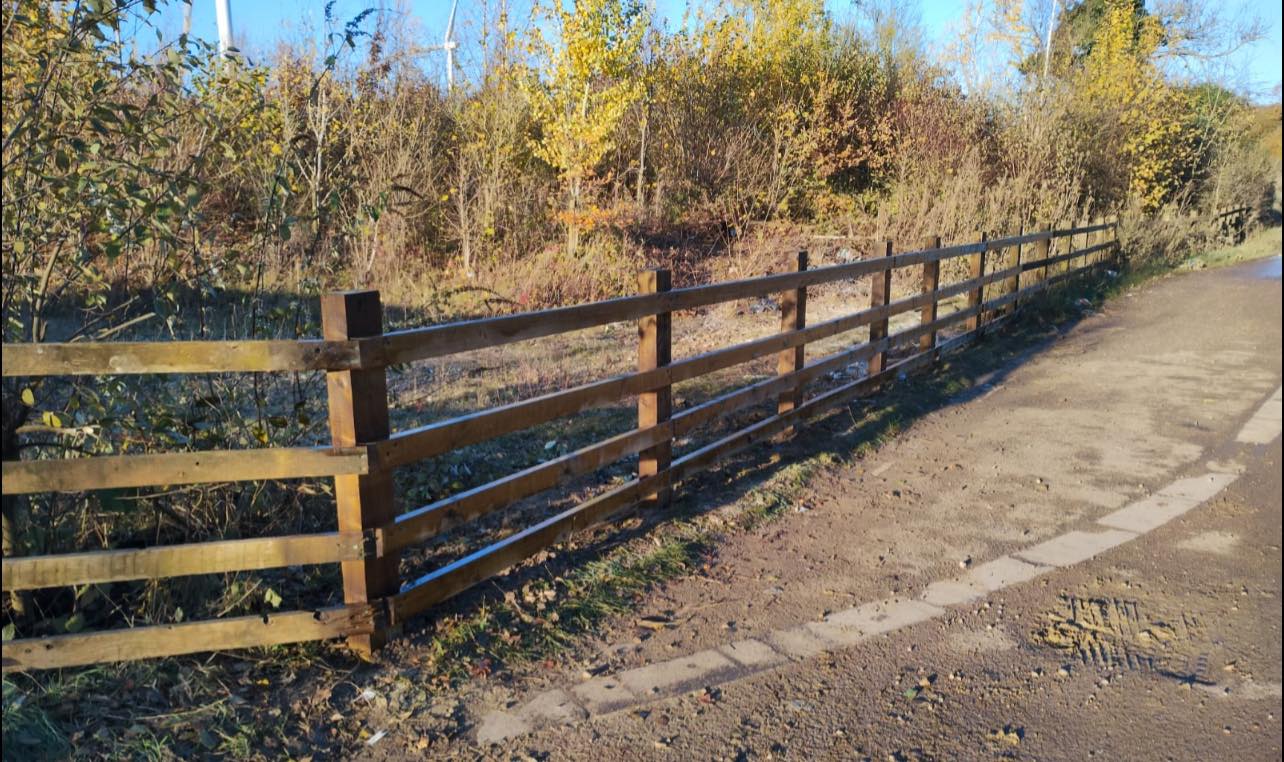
1149, 388
1034, 431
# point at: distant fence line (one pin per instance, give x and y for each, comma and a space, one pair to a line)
355, 351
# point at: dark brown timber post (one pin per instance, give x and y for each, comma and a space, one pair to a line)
1042, 250
1014, 282
655, 350
793, 317
1084, 242
880, 294
1090, 240
1049, 247
358, 401
1102, 238
975, 297
1072, 263
1096, 238
1068, 265
1062, 245
931, 283
1118, 249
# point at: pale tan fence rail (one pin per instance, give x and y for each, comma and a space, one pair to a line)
354, 353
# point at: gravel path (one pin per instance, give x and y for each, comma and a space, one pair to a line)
1080, 557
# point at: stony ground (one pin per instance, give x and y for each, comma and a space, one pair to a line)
1167, 646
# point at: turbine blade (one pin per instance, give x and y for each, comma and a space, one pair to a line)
450, 21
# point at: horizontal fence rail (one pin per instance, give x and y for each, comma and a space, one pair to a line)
163, 469
188, 638
32, 572
1005, 273
135, 357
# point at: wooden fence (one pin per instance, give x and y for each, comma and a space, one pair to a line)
354, 353
1232, 224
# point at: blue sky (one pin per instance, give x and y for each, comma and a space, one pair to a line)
1255, 69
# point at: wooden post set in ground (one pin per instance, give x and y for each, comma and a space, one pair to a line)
931, 284
1014, 282
655, 350
976, 266
793, 317
1117, 258
1044, 252
359, 416
880, 295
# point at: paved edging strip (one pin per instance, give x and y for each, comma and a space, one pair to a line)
611, 693
1265, 424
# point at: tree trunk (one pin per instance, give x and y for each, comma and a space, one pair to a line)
465, 226
641, 194
572, 217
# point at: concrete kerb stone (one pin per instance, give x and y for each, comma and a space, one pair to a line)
1168, 503
952, 592
1198, 488
1259, 432
883, 616
1074, 547
753, 654
797, 642
553, 707
1265, 424
499, 726
1225, 466
679, 675
1144, 515
1004, 571
986, 578
601, 695
836, 635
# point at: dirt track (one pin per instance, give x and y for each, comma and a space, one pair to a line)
1165, 647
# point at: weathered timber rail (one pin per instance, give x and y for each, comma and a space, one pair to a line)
354, 353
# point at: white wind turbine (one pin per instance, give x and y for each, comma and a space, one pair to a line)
223, 15
449, 44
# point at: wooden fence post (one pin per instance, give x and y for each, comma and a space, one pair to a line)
1095, 239
1068, 265
655, 350
975, 297
1103, 237
880, 295
1089, 240
1014, 282
358, 402
1085, 240
1052, 248
1118, 249
1042, 250
931, 284
793, 317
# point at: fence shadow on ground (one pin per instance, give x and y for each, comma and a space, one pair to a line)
842, 434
